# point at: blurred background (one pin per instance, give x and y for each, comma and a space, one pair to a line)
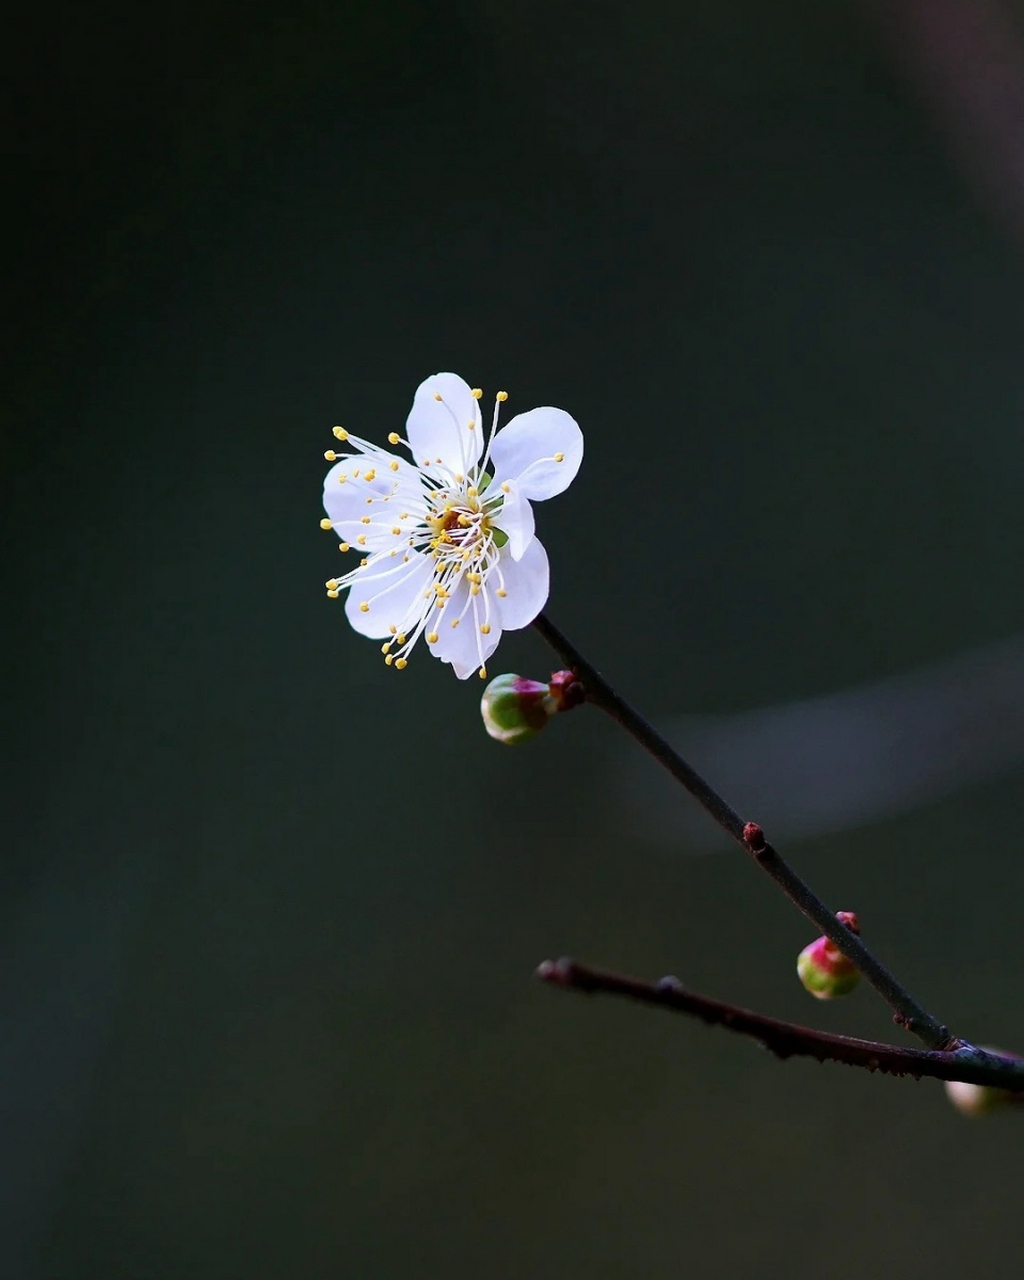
270, 910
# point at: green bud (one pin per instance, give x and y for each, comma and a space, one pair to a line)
822, 967
515, 709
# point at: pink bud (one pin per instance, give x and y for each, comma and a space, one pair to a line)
822, 967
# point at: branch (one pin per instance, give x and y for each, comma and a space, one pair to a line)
907, 1011
789, 1039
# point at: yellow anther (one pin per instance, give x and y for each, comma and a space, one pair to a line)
405, 559
456, 622
363, 563
506, 488
389, 659
482, 673
393, 630
400, 638
356, 471
330, 455
386, 648
441, 603
471, 426
432, 638
343, 546
502, 396
437, 395
361, 539
465, 522
401, 664
340, 433
394, 437
369, 502
403, 515
559, 457
396, 531
474, 590
342, 478
440, 590
326, 524
370, 475
333, 594
426, 461
364, 607
485, 630
331, 584
394, 465
459, 477
471, 492
502, 592
476, 393
364, 519
467, 555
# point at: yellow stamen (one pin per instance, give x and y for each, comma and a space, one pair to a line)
559, 457
364, 519
482, 673
476, 393
331, 584
502, 396
330, 455
370, 475
340, 433
326, 524
401, 664
393, 437
389, 659
364, 607
485, 630
432, 638
334, 594
400, 638
437, 395
502, 592
394, 465
343, 546
361, 539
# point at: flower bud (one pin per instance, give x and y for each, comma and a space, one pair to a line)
980, 1099
515, 709
822, 967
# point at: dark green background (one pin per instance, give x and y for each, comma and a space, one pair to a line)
270, 910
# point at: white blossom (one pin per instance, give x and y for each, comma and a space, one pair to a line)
446, 540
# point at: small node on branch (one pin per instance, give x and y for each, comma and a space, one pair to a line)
565, 688
753, 838
823, 969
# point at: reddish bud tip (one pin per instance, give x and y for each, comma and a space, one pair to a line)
753, 837
566, 690
849, 918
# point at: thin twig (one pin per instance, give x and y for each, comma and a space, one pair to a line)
906, 1010
789, 1039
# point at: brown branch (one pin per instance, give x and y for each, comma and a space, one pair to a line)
907, 1011
789, 1039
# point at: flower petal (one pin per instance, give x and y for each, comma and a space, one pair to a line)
526, 450
525, 582
394, 591
438, 425
515, 519
464, 645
